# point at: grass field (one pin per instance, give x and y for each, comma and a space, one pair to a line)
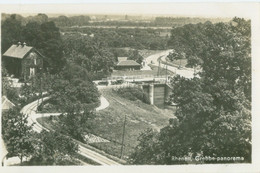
108, 123
153, 72
139, 117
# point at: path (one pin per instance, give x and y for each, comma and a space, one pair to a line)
153, 60
30, 110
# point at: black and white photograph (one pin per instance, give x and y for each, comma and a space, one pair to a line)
128, 84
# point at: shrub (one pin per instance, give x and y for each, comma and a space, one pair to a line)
103, 83
133, 93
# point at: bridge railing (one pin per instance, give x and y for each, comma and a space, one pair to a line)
134, 77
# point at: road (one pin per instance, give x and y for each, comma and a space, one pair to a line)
30, 110
153, 60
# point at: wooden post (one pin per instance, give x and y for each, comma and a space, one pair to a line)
123, 138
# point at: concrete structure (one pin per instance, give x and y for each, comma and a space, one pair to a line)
158, 93
151, 93
22, 61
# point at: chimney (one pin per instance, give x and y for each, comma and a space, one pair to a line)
19, 43
24, 44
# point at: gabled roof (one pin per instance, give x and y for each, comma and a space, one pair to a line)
18, 51
6, 104
128, 63
121, 59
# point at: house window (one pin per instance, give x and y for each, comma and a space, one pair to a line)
35, 61
32, 72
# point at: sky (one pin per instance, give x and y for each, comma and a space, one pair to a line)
155, 8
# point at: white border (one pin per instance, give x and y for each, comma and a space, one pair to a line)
247, 10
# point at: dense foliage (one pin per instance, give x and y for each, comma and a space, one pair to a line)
123, 37
17, 134
131, 54
213, 111
63, 21
45, 148
133, 93
7, 90
52, 148
90, 54
45, 37
68, 83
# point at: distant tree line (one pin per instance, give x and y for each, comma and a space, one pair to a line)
123, 37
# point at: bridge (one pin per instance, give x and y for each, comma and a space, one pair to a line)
157, 87
139, 78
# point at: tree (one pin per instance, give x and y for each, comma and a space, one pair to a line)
213, 111
207, 126
75, 122
17, 134
134, 55
38, 33
176, 56
11, 32
76, 97
7, 89
52, 148
147, 148
194, 62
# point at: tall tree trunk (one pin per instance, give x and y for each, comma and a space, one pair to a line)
21, 159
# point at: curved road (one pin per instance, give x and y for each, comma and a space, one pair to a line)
30, 110
153, 60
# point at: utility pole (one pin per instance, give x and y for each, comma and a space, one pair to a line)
158, 72
123, 138
41, 89
166, 70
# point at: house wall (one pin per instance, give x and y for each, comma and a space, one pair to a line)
126, 68
32, 60
13, 66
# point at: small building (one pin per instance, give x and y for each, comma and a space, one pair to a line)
6, 104
124, 64
121, 59
128, 65
22, 61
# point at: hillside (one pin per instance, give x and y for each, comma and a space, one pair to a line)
108, 123
139, 116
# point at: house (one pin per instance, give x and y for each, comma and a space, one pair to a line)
121, 59
124, 64
22, 61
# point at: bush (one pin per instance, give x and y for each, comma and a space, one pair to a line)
103, 83
133, 93
117, 82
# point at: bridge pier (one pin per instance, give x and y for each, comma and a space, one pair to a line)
158, 93
151, 94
